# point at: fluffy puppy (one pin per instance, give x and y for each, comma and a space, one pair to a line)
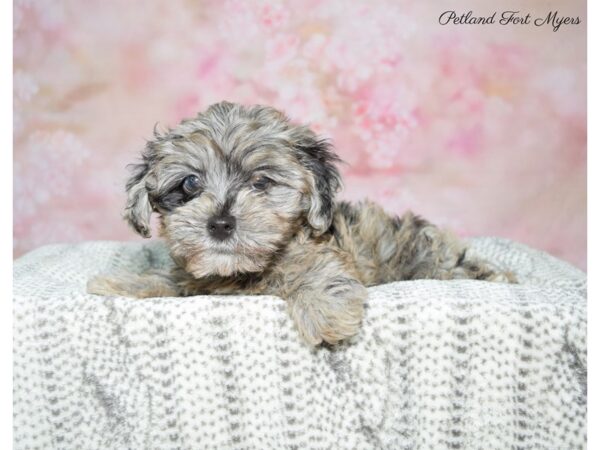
246, 206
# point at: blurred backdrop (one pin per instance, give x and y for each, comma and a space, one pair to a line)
481, 129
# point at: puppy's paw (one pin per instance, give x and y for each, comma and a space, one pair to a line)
100, 285
133, 285
331, 315
503, 277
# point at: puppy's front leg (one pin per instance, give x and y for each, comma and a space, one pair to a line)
325, 298
144, 285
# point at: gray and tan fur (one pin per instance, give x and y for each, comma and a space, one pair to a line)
246, 205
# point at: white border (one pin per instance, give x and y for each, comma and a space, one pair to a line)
593, 221
6, 145
6, 184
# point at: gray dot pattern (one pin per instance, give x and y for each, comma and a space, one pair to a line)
454, 364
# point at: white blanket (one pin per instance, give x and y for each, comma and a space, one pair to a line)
438, 364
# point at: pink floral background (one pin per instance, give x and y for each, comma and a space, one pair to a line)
479, 128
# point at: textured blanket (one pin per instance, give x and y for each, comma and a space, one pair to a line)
438, 364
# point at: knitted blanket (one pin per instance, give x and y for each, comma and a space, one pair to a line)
438, 364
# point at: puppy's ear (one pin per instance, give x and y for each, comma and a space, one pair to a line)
138, 209
317, 156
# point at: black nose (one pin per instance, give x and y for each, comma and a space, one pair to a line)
221, 227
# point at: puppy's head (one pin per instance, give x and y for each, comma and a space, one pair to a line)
232, 186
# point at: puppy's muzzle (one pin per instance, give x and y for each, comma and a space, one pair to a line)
221, 227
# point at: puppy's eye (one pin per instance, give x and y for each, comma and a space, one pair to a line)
191, 184
260, 182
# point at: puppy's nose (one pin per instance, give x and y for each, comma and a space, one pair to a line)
221, 227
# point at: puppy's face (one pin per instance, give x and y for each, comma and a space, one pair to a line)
232, 187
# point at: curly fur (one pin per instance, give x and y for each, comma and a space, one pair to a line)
291, 237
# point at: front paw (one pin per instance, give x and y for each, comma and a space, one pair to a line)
108, 286
503, 277
154, 284
99, 286
330, 315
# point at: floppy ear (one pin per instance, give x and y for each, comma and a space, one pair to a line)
138, 208
317, 156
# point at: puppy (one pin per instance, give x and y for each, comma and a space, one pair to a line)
246, 205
